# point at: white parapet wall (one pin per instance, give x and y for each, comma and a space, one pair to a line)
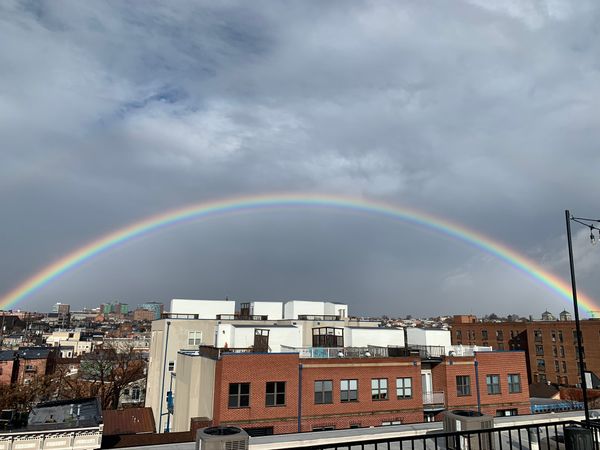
379, 337
273, 310
428, 336
206, 309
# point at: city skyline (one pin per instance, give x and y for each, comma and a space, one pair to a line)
481, 114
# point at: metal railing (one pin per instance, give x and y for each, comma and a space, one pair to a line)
434, 398
337, 352
241, 317
545, 436
315, 318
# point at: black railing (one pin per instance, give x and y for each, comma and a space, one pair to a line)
315, 318
544, 436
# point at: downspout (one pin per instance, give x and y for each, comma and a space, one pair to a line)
477, 384
299, 398
164, 368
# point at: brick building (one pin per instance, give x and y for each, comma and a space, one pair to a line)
8, 366
282, 392
550, 346
34, 362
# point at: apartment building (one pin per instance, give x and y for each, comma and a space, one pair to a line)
550, 346
286, 392
262, 326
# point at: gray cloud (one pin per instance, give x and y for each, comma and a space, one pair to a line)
481, 112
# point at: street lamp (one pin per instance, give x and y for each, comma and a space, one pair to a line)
590, 224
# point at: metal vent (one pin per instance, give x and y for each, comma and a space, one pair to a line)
236, 445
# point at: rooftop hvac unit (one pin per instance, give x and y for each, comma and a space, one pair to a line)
221, 438
466, 421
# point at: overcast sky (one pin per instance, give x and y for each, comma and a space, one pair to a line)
485, 112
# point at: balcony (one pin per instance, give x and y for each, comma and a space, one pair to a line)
318, 318
434, 398
338, 352
241, 317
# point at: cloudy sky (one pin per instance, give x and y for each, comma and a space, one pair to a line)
484, 112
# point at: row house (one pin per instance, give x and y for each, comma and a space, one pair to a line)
273, 393
26, 364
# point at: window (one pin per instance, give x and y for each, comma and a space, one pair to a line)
562, 351
537, 335
239, 395
328, 337
553, 336
542, 378
499, 335
463, 385
507, 412
194, 338
135, 393
323, 428
323, 391
387, 423
458, 334
539, 350
541, 365
560, 336
554, 351
403, 387
493, 384
514, 383
171, 366
484, 334
564, 366
379, 389
500, 345
556, 366
275, 393
348, 390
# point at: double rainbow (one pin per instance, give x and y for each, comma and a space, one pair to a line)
278, 201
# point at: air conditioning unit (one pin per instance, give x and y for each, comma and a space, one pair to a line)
466, 421
222, 438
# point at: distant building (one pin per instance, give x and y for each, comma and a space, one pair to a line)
565, 316
144, 315
550, 346
548, 316
155, 307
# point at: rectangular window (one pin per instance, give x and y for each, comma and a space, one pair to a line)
514, 383
463, 385
348, 390
484, 334
539, 350
541, 365
323, 391
499, 335
554, 351
458, 334
537, 335
560, 337
275, 393
403, 387
194, 338
379, 389
239, 395
564, 366
562, 351
171, 366
323, 428
493, 384
556, 366
553, 336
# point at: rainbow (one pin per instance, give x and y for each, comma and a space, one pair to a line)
268, 202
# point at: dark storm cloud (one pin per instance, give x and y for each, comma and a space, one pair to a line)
482, 112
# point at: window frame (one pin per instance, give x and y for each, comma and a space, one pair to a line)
404, 388
463, 389
514, 387
491, 386
347, 390
320, 395
278, 389
379, 392
194, 341
238, 395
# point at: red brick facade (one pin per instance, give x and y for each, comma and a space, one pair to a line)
365, 411
7, 371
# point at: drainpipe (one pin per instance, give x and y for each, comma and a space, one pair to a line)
162, 386
299, 398
477, 385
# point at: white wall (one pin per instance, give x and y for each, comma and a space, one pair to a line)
381, 337
421, 336
243, 336
335, 309
294, 308
206, 309
274, 310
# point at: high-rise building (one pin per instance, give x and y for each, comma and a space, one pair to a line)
156, 307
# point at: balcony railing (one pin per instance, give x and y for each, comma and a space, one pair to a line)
241, 317
434, 398
315, 318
